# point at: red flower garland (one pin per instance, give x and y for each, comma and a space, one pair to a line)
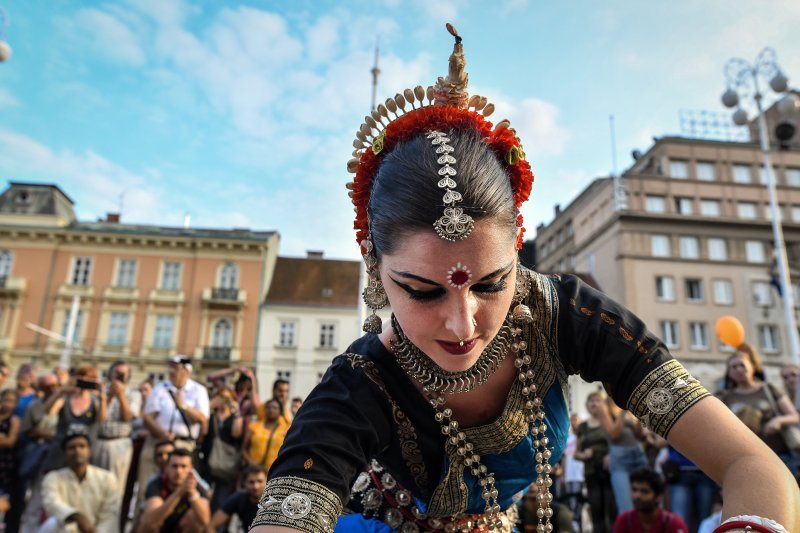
500, 141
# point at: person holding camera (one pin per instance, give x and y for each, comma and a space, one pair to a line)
114, 447
81, 402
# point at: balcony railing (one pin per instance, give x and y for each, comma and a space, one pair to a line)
224, 293
217, 353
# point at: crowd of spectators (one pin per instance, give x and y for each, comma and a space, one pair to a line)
89, 453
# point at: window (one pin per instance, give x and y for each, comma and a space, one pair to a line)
171, 276
705, 171
741, 174
669, 333
665, 288
762, 174
768, 338
746, 209
754, 251
762, 293
710, 208
796, 213
698, 332
694, 290
793, 177
223, 333
118, 329
655, 204
285, 375
659, 245
717, 249
81, 268
683, 206
6, 262
126, 273
286, 335
723, 292
162, 338
327, 334
679, 169
78, 322
229, 276
690, 247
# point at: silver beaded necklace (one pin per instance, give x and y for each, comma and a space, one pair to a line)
437, 381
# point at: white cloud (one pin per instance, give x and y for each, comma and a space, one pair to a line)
536, 122
107, 36
7, 99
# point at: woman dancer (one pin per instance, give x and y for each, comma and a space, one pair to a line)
441, 418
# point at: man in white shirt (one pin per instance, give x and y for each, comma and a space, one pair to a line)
175, 411
80, 497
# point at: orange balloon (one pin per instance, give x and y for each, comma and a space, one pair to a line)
730, 330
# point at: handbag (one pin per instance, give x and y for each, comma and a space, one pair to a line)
223, 461
790, 433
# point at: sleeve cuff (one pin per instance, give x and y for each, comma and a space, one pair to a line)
664, 395
300, 504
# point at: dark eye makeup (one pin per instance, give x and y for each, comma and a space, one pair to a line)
427, 296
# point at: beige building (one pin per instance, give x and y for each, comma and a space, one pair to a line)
310, 316
144, 292
690, 242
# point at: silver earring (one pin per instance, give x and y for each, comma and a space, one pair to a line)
375, 298
474, 322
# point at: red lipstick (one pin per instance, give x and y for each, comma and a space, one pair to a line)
456, 348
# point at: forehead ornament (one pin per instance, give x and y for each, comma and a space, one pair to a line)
459, 275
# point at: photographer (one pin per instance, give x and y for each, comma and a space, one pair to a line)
113, 449
82, 401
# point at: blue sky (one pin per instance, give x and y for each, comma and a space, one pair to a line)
243, 113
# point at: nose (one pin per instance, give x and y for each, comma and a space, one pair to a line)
460, 319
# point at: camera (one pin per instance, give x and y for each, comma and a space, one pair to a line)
119, 376
87, 385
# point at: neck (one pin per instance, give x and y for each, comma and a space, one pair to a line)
647, 518
747, 384
80, 471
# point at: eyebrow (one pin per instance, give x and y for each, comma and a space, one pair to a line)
487, 277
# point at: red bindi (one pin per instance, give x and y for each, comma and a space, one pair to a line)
459, 275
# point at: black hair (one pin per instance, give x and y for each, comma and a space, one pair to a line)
279, 381
649, 476
406, 196
164, 442
180, 452
72, 435
252, 470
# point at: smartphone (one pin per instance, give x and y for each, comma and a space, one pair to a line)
86, 384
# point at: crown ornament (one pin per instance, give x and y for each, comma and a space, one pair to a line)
434, 112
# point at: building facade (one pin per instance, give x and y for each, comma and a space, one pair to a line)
140, 292
310, 315
692, 242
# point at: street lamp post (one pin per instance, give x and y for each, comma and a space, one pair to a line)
5, 48
744, 80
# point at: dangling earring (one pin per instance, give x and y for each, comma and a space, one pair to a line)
521, 314
374, 295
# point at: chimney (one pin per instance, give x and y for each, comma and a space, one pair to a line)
112, 218
314, 254
187, 219
557, 209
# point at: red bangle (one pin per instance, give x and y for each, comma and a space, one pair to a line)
742, 524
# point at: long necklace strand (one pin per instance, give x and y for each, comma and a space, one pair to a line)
437, 381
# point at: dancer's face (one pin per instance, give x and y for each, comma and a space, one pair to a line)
435, 315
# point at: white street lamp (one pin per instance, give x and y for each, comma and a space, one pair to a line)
5, 48
744, 80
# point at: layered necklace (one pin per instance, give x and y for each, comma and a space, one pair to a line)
436, 382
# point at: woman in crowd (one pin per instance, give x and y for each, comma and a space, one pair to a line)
625, 452
593, 451
763, 407
9, 436
264, 437
440, 417
226, 429
82, 401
